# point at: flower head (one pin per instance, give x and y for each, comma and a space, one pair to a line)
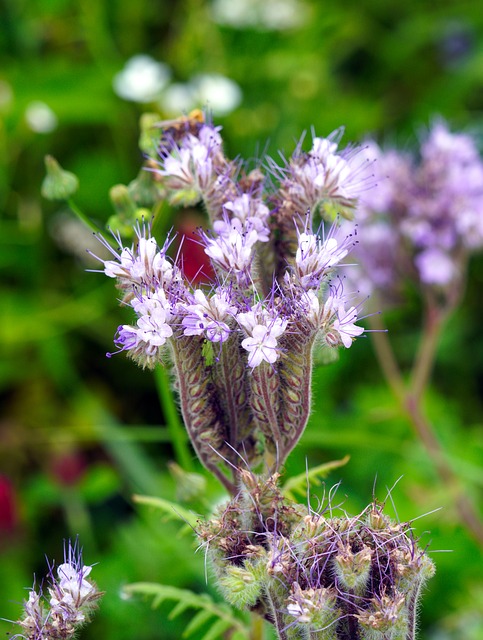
72, 599
262, 328
208, 315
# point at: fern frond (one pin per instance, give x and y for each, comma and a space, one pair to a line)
312, 477
171, 510
219, 615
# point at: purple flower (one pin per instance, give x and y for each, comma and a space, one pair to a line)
435, 267
72, 599
208, 315
262, 327
316, 257
424, 216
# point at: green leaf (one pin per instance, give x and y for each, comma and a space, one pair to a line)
198, 621
172, 510
219, 615
217, 630
298, 484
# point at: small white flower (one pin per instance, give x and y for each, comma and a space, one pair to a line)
142, 79
343, 330
221, 94
72, 581
263, 330
40, 117
260, 346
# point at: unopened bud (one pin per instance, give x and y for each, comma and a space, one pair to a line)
58, 184
386, 618
127, 214
241, 585
189, 486
353, 569
315, 608
376, 519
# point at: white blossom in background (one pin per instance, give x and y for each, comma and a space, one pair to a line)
272, 15
219, 94
178, 97
142, 79
40, 117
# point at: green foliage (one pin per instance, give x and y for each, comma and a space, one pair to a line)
171, 510
305, 482
372, 66
218, 617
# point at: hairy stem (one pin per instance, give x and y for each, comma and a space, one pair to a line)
276, 617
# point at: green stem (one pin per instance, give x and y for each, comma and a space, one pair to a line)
177, 432
277, 618
83, 218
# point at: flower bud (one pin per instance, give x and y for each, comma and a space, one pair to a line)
386, 618
241, 586
315, 608
353, 569
189, 486
58, 184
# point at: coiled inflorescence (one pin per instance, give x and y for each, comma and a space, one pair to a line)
241, 347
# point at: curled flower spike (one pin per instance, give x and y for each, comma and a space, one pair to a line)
266, 309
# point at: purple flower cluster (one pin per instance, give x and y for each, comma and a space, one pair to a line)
192, 168
166, 306
241, 347
71, 599
425, 216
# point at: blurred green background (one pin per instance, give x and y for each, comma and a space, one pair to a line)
80, 433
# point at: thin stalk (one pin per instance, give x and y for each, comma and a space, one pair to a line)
426, 434
83, 218
424, 360
412, 611
257, 627
409, 398
177, 432
277, 621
